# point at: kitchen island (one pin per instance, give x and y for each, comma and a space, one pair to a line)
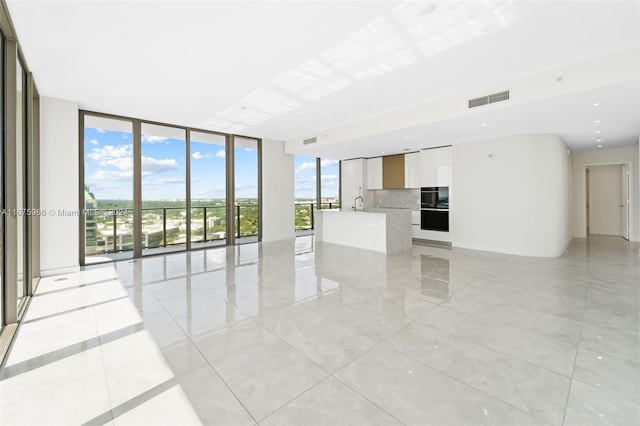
383, 230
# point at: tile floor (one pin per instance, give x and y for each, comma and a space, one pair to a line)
294, 332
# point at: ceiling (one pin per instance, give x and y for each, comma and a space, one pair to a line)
289, 69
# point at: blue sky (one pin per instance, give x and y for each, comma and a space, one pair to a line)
305, 177
109, 167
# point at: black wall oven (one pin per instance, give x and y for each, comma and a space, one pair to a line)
434, 220
434, 197
434, 212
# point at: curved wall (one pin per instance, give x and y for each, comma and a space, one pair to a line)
511, 195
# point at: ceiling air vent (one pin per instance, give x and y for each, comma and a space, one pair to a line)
310, 140
489, 99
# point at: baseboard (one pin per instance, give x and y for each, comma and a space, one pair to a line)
432, 243
564, 247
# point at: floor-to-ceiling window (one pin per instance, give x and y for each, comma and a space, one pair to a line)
329, 183
164, 191
150, 188
108, 189
316, 185
20, 182
246, 191
208, 189
2, 180
305, 191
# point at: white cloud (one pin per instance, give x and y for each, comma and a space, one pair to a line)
94, 142
153, 139
153, 165
103, 175
110, 151
197, 155
310, 165
163, 181
221, 154
329, 177
325, 162
100, 130
246, 191
125, 136
305, 185
124, 163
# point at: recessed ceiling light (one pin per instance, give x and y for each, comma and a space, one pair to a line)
598, 132
596, 121
599, 146
432, 146
598, 139
596, 104
484, 124
382, 152
407, 138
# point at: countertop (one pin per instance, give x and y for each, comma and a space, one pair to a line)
387, 210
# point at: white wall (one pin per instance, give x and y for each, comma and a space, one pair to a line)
582, 159
516, 202
278, 218
59, 180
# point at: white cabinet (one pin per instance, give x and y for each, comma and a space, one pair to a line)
443, 166
374, 173
435, 167
412, 170
352, 181
427, 168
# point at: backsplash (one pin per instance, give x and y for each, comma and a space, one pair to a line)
393, 198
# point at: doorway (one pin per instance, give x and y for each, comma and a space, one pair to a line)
607, 200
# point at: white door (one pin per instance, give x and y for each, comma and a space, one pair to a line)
626, 184
606, 205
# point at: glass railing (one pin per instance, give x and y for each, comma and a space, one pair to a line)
208, 223
108, 231
304, 219
167, 226
246, 217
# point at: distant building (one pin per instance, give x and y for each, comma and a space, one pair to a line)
91, 226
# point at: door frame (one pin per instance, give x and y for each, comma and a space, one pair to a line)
630, 223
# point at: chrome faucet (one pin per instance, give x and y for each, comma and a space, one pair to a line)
355, 202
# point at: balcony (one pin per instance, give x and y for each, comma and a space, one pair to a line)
165, 229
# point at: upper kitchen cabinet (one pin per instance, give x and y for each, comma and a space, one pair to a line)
352, 181
435, 167
412, 170
393, 172
374, 173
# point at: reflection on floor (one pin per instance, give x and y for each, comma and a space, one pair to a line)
300, 333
